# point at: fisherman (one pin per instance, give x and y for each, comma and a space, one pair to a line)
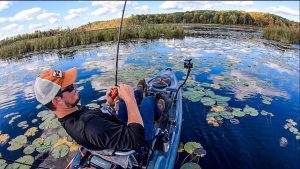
99, 129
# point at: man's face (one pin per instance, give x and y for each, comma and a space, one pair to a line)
70, 97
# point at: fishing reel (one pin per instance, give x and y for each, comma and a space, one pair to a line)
113, 93
188, 64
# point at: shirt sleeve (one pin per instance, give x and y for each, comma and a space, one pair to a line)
107, 134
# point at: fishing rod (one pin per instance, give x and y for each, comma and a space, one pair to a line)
114, 91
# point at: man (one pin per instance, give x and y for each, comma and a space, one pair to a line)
99, 129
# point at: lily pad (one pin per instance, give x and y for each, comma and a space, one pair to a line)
199, 152
207, 101
193, 95
297, 137
283, 142
38, 142
39, 106
27, 159
190, 166
17, 143
251, 111
237, 112
221, 98
264, 113
3, 164
13, 119
215, 86
217, 109
47, 124
34, 121
190, 147
43, 148
60, 151
180, 147
62, 132
234, 121
31, 132
226, 115
51, 140
23, 124
29, 149
3, 139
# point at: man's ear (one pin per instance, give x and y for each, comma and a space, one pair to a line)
57, 101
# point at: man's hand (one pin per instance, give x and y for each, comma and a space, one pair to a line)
126, 93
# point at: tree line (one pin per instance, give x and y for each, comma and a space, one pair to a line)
145, 26
67, 38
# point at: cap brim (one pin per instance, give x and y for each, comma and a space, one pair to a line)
69, 77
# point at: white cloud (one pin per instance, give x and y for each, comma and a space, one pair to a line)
36, 26
143, 8
108, 4
47, 15
26, 14
239, 3
4, 5
2, 19
252, 10
170, 5
77, 10
14, 26
283, 10
54, 20
207, 6
100, 11
71, 16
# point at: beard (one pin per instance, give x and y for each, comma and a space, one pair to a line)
71, 105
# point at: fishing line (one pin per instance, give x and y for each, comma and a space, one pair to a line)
119, 37
14, 161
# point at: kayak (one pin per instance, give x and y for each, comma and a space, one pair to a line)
163, 151
171, 125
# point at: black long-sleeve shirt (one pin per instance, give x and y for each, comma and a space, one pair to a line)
97, 131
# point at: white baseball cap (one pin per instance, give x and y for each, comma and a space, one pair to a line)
48, 83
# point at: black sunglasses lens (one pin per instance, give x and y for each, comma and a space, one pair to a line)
70, 88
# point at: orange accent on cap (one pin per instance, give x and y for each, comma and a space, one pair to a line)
68, 77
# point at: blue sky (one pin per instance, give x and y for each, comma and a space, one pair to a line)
18, 17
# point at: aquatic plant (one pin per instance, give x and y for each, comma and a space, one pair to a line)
29, 149
60, 151
39, 106
267, 100
238, 112
27, 159
190, 166
31, 131
226, 115
3, 139
291, 125
251, 111
51, 140
283, 142
234, 121
17, 143
23, 124
13, 119
217, 109
207, 101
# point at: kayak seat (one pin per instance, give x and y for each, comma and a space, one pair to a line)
107, 158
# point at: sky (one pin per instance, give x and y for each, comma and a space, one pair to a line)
19, 17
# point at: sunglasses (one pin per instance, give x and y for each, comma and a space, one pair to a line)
69, 89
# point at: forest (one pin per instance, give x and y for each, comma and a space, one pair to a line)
148, 26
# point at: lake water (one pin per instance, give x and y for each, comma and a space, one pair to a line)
247, 72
